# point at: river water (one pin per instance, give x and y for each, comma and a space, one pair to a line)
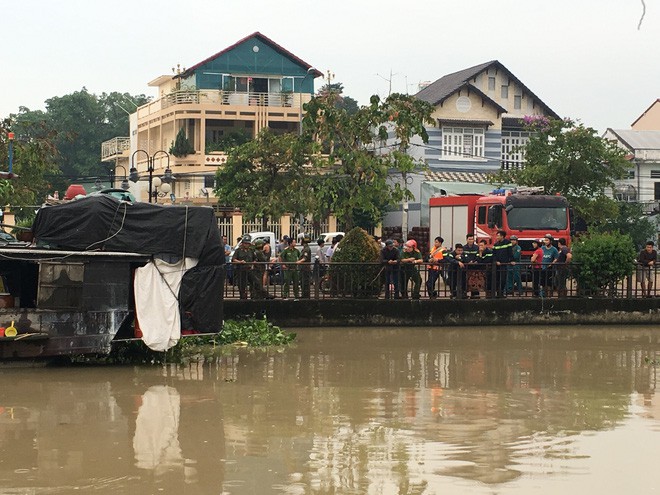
350, 411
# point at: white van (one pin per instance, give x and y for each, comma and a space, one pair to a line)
264, 236
313, 245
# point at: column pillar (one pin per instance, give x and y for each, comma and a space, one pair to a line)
332, 223
285, 224
236, 225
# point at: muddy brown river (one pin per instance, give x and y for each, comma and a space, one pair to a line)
350, 411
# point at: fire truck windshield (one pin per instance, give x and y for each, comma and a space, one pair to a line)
537, 218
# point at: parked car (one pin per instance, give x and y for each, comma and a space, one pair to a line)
120, 194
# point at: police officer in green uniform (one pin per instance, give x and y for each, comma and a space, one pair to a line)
289, 257
257, 275
305, 262
242, 262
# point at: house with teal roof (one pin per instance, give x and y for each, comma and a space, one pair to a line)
251, 85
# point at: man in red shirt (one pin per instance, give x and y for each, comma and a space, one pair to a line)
537, 265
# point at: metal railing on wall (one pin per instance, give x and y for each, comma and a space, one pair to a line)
427, 281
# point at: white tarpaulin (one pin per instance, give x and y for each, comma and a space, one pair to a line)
157, 287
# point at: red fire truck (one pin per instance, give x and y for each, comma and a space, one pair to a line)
519, 212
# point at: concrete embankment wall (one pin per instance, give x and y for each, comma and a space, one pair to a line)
349, 312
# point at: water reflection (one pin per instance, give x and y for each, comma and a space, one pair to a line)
347, 411
156, 439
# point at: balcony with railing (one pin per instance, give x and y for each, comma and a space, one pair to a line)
210, 97
115, 148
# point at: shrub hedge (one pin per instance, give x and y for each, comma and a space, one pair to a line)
366, 281
602, 260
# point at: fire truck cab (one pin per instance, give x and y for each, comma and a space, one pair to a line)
522, 213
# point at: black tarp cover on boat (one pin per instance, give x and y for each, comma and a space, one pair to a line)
105, 223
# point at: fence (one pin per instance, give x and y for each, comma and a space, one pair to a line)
428, 281
226, 228
313, 229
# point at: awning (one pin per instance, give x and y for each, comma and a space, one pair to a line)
472, 177
465, 122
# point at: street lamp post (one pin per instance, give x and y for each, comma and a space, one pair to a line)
167, 177
124, 183
11, 151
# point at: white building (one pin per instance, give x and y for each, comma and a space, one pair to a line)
643, 181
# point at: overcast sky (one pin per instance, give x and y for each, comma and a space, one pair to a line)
585, 59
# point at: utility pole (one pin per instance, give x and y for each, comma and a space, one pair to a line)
389, 92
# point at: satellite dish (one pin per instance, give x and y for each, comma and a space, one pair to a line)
204, 192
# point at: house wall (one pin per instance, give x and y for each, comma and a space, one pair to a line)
481, 110
650, 120
645, 167
244, 60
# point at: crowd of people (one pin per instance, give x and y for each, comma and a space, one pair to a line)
467, 270
473, 268
254, 265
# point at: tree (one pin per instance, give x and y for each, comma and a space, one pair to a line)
335, 92
567, 158
631, 221
353, 181
181, 146
266, 177
77, 124
35, 164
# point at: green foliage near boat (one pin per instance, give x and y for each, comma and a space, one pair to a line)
250, 332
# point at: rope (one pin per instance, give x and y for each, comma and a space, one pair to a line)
165, 281
113, 235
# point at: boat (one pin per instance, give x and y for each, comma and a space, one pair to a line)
100, 269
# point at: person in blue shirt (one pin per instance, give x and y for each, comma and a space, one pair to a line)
550, 255
227, 247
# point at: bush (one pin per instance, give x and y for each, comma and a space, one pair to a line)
601, 261
359, 281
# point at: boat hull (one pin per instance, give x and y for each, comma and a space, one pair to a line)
50, 333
